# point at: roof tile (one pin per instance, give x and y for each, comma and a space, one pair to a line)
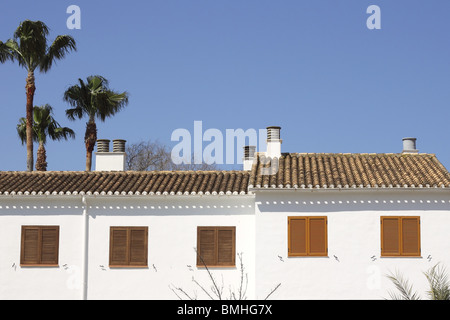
294, 170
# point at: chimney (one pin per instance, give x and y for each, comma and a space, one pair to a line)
110, 161
249, 156
409, 145
273, 142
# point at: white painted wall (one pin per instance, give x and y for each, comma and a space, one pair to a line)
353, 268
172, 223
357, 272
44, 282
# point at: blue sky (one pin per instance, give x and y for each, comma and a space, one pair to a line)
309, 66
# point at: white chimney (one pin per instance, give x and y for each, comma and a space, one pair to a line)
273, 142
249, 157
409, 145
110, 161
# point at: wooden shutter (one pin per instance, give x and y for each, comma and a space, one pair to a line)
410, 236
318, 236
400, 236
206, 246
216, 246
225, 246
297, 236
128, 246
30, 246
49, 245
40, 245
138, 246
118, 255
307, 236
390, 236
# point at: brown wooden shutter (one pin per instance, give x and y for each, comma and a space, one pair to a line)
216, 246
410, 236
49, 245
40, 245
318, 236
400, 236
297, 236
206, 246
307, 236
138, 246
128, 246
390, 236
118, 246
226, 246
30, 246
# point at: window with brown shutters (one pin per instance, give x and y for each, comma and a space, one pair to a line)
216, 246
307, 236
128, 247
39, 246
400, 236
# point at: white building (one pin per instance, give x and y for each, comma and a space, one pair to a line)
323, 226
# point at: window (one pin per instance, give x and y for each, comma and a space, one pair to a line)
216, 246
307, 236
400, 236
128, 247
39, 246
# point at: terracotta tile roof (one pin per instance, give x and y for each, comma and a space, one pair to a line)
124, 183
324, 170
295, 170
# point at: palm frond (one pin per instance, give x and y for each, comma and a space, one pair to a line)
403, 286
57, 51
5, 52
439, 284
22, 130
74, 113
31, 37
60, 133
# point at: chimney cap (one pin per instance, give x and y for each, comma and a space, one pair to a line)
409, 145
249, 152
103, 145
273, 133
119, 145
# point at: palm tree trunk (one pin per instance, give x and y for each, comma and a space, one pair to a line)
41, 161
30, 89
90, 139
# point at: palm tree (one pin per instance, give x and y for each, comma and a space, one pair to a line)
29, 48
44, 126
93, 99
